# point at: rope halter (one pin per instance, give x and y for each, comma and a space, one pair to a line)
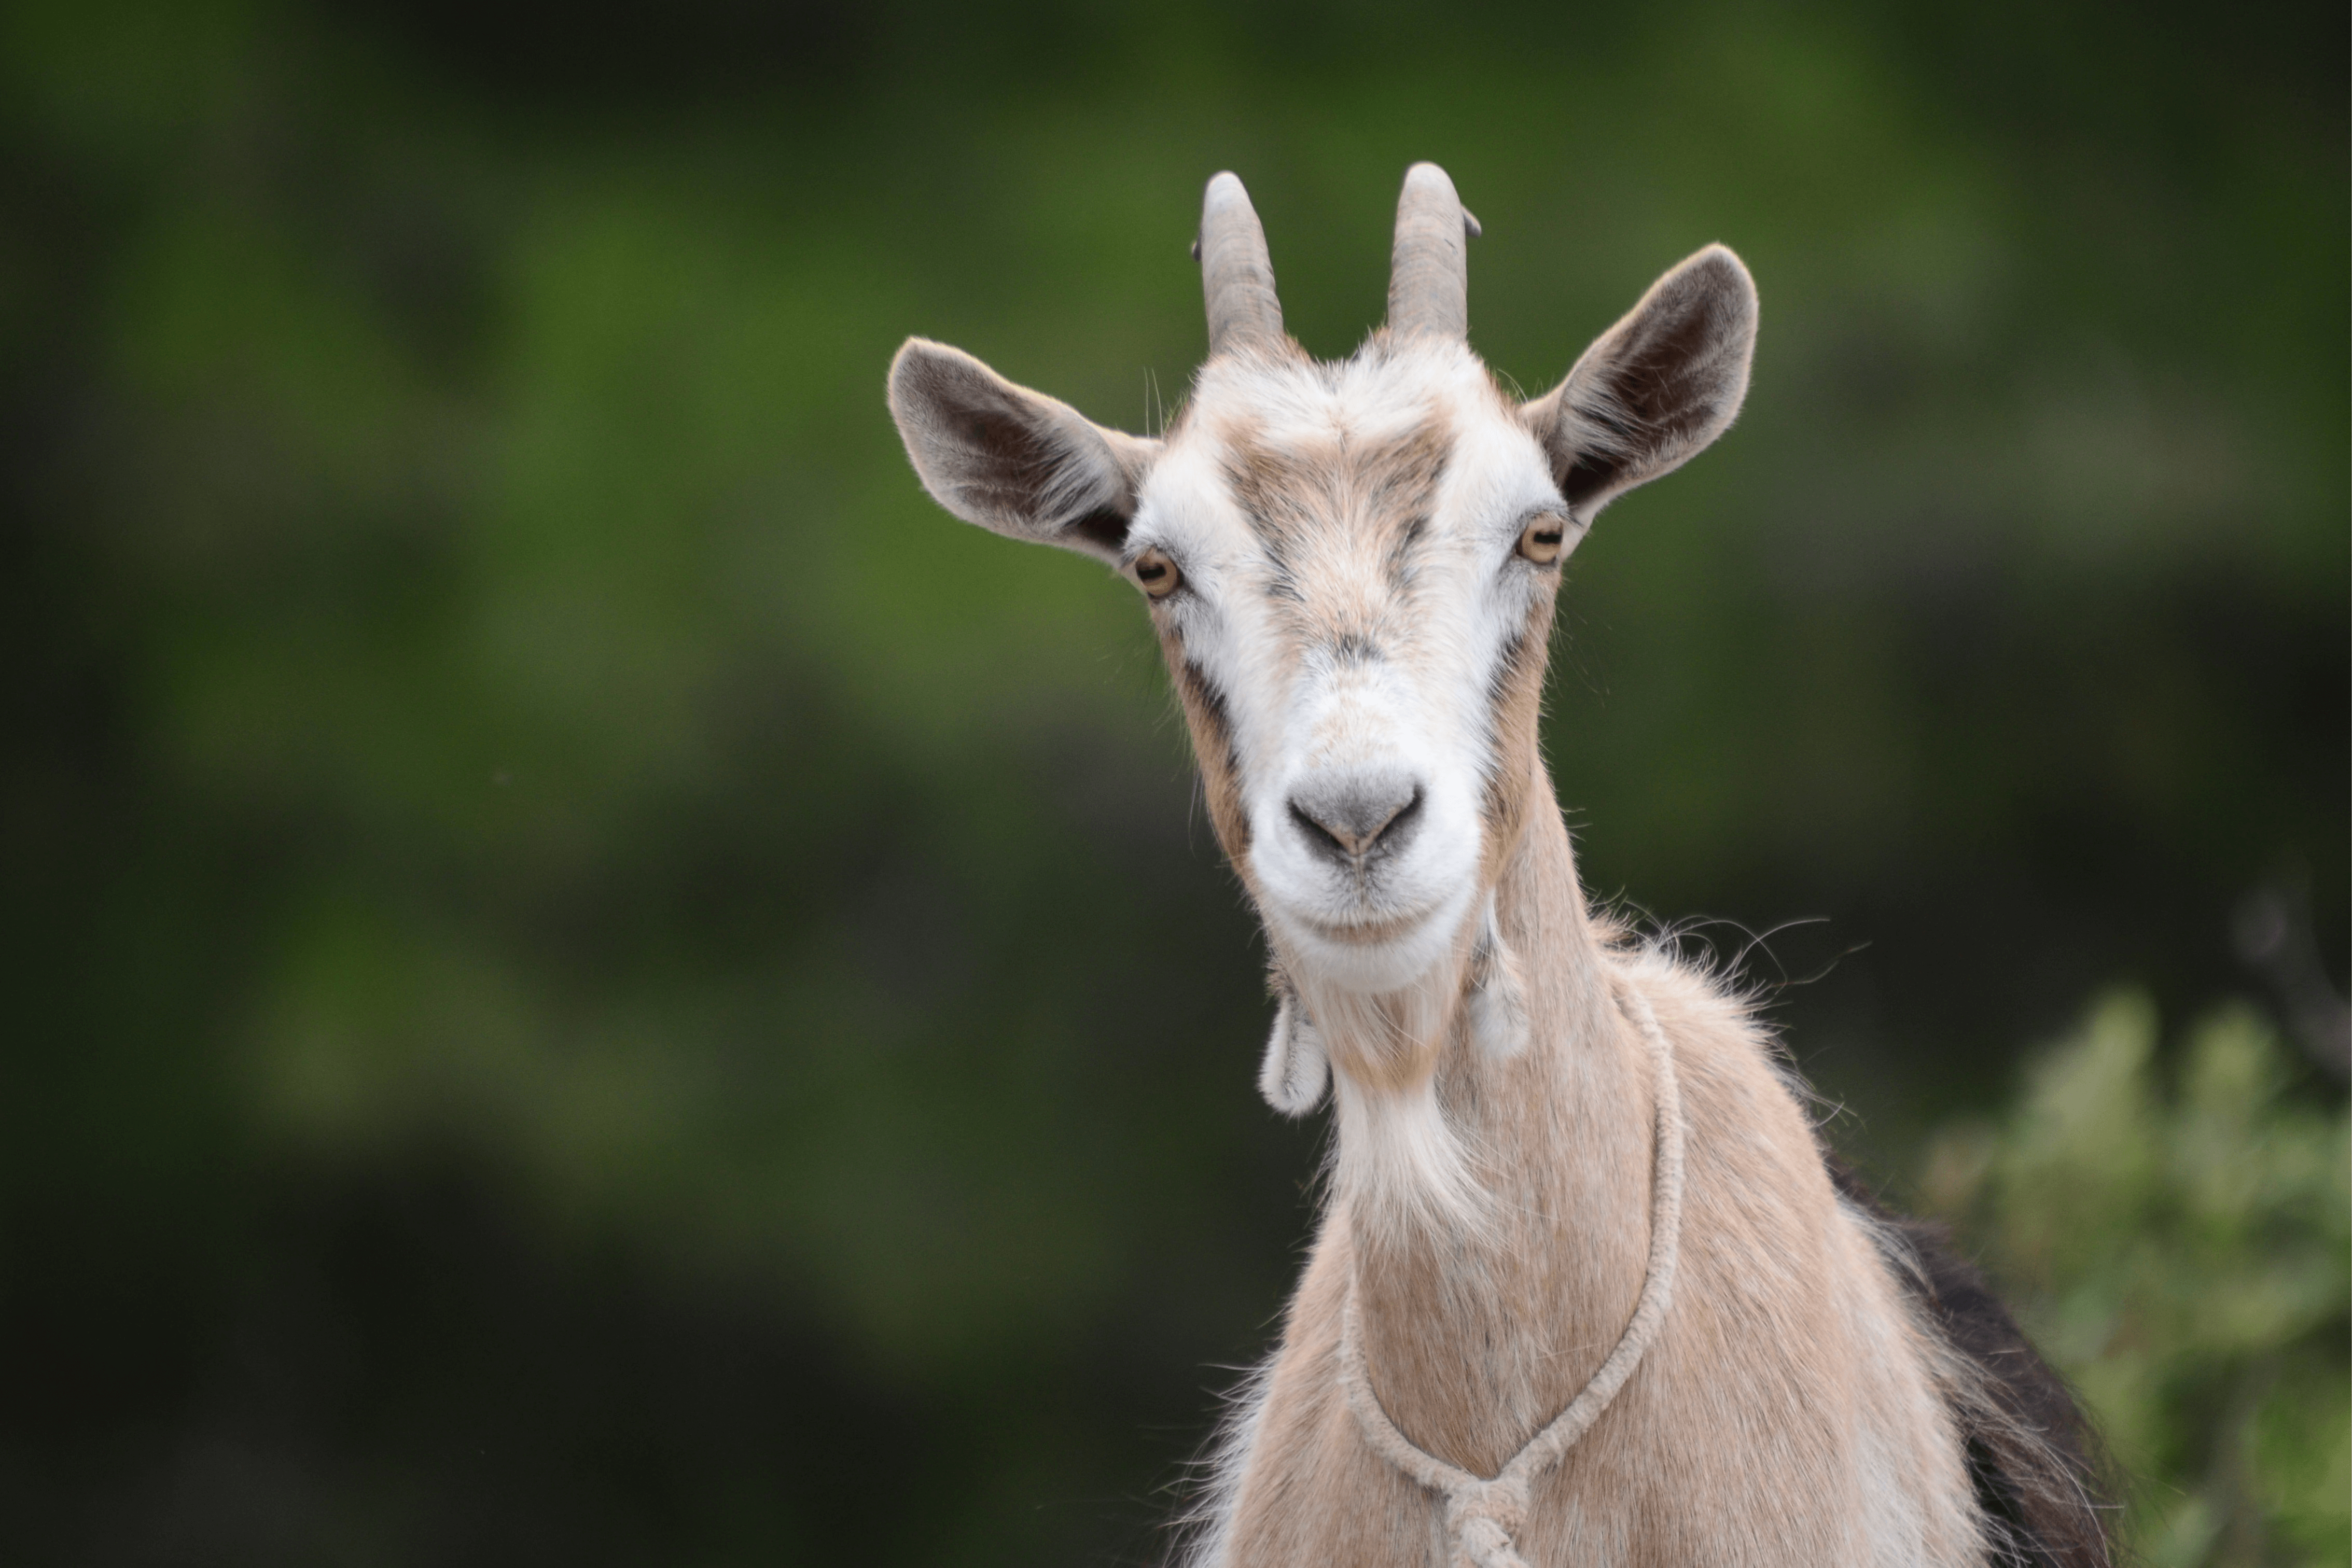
1483, 1515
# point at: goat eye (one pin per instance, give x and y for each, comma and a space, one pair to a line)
1156, 574
1540, 542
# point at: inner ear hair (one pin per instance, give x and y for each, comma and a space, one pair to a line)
1656, 388
1014, 461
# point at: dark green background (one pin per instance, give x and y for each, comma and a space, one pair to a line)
595, 981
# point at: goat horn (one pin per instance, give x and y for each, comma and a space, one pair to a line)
1429, 276
1236, 278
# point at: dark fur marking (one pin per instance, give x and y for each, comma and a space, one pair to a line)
1405, 546
1105, 526
1510, 672
1511, 666
1275, 493
2045, 1498
1213, 733
1596, 468
1281, 581
1013, 465
1658, 383
1591, 472
1008, 464
1288, 495
1661, 388
1212, 700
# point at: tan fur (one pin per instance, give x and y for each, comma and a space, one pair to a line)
1791, 1410
1789, 1399
1516, 712
1212, 748
1347, 540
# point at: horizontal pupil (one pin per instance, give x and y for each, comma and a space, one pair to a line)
1148, 573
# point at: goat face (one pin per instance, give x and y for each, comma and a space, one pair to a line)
1358, 633
1350, 565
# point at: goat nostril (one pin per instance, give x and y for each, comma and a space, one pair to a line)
1350, 823
1318, 835
1403, 815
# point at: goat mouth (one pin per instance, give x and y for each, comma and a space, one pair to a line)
1368, 932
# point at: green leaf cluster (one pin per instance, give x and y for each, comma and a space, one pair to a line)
2179, 1243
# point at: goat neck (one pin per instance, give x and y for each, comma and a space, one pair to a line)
1475, 1337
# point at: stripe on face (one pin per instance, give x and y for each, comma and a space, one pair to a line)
1347, 526
1334, 500
1212, 748
1514, 716
1359, 556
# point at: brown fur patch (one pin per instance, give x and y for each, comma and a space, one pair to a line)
1515, 715
1368, 501
1212, 748
1786, 1414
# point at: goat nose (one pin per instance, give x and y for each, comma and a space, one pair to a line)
1346, 816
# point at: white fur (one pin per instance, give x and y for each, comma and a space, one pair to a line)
1490, 1194
1295, 1070
1498, 994
1399, 1166
1421, 710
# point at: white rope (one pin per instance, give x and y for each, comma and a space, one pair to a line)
1483, 1515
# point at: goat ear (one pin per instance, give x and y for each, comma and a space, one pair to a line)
1015, 462
1656, 388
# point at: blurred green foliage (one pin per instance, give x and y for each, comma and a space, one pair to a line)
2183, 1253
599, 981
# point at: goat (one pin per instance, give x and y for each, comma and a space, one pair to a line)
1586, 1288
